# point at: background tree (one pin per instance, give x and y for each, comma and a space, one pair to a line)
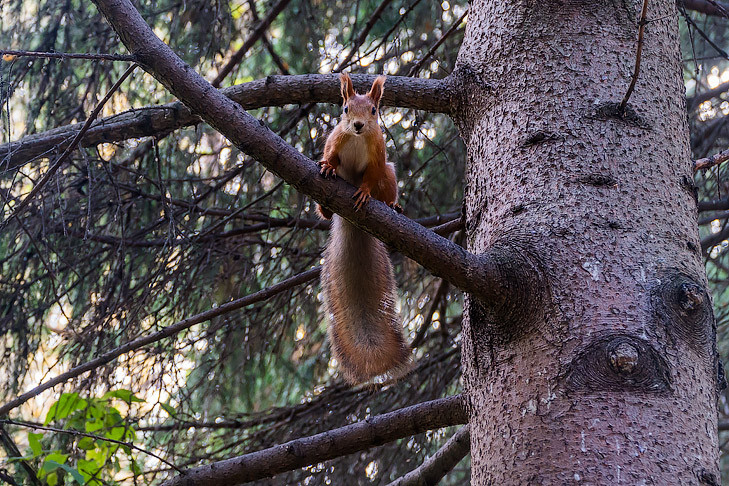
136, 234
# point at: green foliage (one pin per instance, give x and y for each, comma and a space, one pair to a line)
91, 449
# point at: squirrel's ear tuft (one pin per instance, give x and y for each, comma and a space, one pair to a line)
347, 88
378, 87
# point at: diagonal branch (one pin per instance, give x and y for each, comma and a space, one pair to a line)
441, 463
18, 210
327, 445
257, 33
421, 94
162, 334
493, 277
708, 7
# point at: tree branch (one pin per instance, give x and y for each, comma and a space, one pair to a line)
400, 91
492, 277
327, 445
709, 162
708, 7
18, 210
257, 33
163, 333
441, 463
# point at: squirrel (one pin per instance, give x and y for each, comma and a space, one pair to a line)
357, 276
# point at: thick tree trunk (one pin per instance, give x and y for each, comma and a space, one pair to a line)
610, 375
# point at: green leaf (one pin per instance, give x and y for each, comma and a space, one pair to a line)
93, 425
86, 443
116, 433
122, 394
169, 409
88, 468
34, 443
65, 406
57, 458
73, 472
49, 466
52, 479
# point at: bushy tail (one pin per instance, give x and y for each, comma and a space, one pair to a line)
359, 287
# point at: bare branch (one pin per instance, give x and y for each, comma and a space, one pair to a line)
252, 39
442, 462
328, 445
708, 162
68, 55
421, 94
708, 7
639, 51
419, 65
164, 333
363, 34
18, 210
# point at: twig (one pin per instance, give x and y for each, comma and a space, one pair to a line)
12, 450
441, 463
69, 55
708, 162
255, 35
708, 7
334, 443
66, 153
163, 333
706, 37
639, 50
283, 66
362, 35
415, 69
92, 436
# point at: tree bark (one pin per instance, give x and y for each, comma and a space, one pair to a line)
613, 378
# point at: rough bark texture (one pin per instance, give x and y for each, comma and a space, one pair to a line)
613, 380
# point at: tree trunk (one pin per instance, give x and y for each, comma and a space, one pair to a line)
609, 375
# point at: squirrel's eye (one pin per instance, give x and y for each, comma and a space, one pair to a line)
374, 110
346, 109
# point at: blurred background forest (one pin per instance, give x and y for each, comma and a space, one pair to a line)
133, 236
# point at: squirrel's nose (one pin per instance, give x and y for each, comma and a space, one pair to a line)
358, 125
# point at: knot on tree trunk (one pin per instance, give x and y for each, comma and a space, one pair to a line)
683, 308
620, 363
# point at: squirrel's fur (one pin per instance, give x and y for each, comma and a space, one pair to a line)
357, 278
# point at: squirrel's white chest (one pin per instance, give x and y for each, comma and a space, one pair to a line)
353, 158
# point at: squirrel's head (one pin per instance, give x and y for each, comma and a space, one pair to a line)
359, 113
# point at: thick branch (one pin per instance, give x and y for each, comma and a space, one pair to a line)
481, 275
328, 445
441, 463
422, 94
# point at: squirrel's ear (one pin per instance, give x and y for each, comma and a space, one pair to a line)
378, 87
347, 88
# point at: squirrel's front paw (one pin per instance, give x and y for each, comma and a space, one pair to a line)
327, 169
396, 207
361, 197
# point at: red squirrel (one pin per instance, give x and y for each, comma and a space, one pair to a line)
357, 276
